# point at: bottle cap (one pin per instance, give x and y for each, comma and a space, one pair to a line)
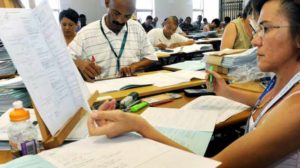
18, 113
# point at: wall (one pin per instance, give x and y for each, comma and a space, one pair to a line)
93, 9
211, 9
179, 8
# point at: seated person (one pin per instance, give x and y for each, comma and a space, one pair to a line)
113, 46
272, 138
238, 33
213, 26
197, 24
166, 37
147, 25
187, 26
69, 23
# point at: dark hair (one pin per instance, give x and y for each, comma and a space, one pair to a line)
217, 22
149, 17
227, 19
70, 14
82, 16
291, 8
247, 9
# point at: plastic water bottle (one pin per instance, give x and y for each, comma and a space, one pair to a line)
21, 133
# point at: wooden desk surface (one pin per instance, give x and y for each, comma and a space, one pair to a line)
5, 156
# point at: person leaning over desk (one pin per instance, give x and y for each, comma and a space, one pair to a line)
113, 46
272, 137
238, 33
167, 37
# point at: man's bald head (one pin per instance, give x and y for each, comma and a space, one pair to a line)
119, 12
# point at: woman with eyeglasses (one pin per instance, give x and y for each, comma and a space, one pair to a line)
273, 136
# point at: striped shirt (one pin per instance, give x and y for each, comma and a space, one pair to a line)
90, 41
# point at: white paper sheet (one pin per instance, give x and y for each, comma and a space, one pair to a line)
37, 47
128, 151
186, 119
190, 128
225, 107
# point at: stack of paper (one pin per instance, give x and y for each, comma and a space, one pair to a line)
187, 65
200, 35
228, 58
8, 96
6, 65
156, 79
12, 90
13, 83
130, 151
185, 49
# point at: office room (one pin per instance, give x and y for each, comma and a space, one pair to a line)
149, 83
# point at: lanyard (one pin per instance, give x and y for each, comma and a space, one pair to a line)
118, 57
282, 92
267, 90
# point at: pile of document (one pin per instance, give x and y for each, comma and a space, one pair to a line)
8, 96
156, 79
6, 65
200, 35
12, 90
229, 59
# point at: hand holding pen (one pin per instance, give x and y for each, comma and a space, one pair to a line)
161, 45
88, 68
216, 83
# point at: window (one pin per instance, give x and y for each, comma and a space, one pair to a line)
54, 4
144, 8
198, 6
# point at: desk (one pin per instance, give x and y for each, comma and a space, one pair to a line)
5, 156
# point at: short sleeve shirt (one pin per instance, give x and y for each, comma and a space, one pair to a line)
90, 42
156, 36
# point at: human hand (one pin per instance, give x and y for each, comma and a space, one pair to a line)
128, 70
162, 46
117, 123
174, 45
219, 86
88, 69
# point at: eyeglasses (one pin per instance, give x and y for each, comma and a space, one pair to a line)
262, 29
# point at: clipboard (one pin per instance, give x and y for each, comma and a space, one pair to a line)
50, 141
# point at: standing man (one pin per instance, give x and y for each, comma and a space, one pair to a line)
113, 46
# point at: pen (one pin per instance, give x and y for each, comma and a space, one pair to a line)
139, 106
94, 61
211, 77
